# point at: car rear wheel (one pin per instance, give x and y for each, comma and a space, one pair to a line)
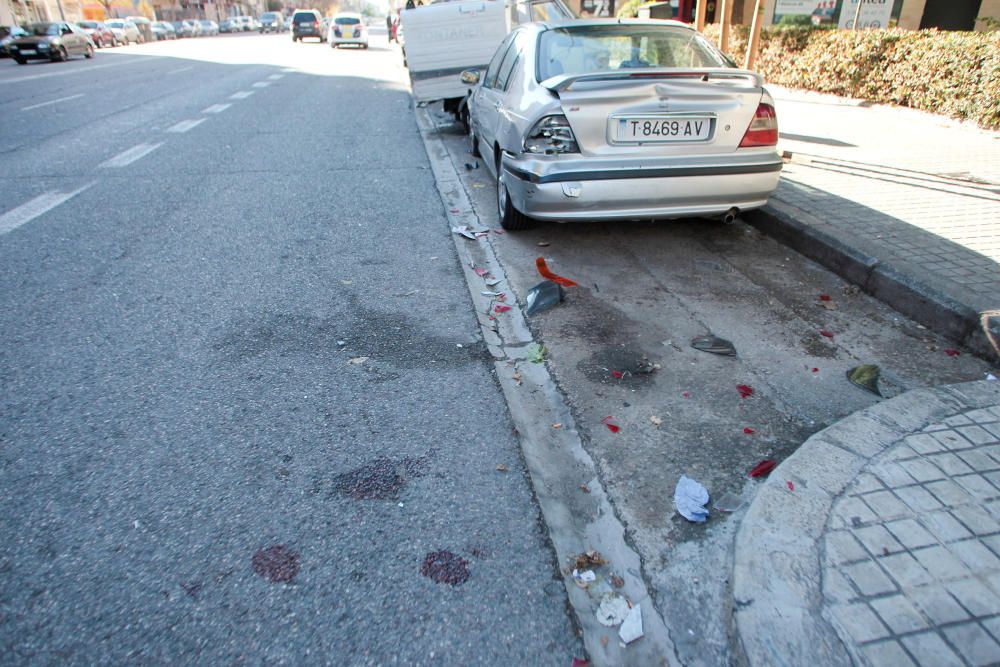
510, 218
21, 61
90, 51
473, 143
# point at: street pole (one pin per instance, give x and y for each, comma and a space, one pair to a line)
700, 15
727, 8
62, 16
754, 45
857, 15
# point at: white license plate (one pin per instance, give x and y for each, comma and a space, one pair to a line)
28, 52
663, 128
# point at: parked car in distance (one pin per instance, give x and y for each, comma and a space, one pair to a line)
125, 31
348, 28
193, 27
246, 23
209, 28
99, 33
272, 22
307, 23
51, 41
621, 120
145, 27
230, 25
8, 33
163, 30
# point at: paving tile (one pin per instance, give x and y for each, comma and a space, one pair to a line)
952, 440
976, 519
922, 470
977, 599
859, 622
930, 649
911, 534
978, 486
853, 511
924, 443
979, 460
957, 420
937, 604
836, 588
906, 570
974, 643
892, 474
918, 499
992, 625
864, 483
944, 527
841, 547
977, 435
982, 416
868, 578
948, 492
877, 540
941, 563
886, 506
899, 614
950, 464
976, 555
887, 653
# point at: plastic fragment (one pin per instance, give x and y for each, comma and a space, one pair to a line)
502, 468
748, 430
730, 502
763, 468
990, 377
488, 293
357, 361
543, 296
618, 374
481, 272
580, 662
951, 352
465, 231
815, 370
656, 421
865, 376
612, 426
543, 244
686, 394
791, 487
825, 297
690, 498
631, 628
825, 333
746, 391
544, 271
714, 344
501, 308
612, 610
492, 282
584, 577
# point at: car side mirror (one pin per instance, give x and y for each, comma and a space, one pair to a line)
470, 77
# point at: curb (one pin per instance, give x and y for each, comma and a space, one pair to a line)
777, 586
900, 290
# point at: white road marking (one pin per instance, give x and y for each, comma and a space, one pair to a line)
275, 77
178, 71
126, 158
30, 210
45, 104
71, 70
185, 125
242, 95
262, 84
217, 108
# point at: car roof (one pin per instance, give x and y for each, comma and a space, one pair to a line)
352, 15
575, 23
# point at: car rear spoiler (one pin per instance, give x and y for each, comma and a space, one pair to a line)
562, 82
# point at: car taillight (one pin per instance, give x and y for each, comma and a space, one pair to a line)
763, 130
552, 135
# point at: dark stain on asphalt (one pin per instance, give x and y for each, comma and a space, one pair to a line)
277, 563
605, 366
192, 588
381, 479
384, 337
444, 567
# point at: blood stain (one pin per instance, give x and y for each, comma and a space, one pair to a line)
444, 567
277, 563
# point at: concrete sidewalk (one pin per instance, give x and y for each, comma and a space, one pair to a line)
903, 203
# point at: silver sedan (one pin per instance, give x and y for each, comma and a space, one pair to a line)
621, 120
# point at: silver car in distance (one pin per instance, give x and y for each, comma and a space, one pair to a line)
621, 120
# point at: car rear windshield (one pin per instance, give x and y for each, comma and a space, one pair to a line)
90, 25
44, 29
304, 18
601, 48
347, 20
270, 16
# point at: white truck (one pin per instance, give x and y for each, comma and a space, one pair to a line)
442, 39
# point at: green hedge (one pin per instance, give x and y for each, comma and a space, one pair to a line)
952, 73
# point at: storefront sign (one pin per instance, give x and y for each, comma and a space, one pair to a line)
874, 13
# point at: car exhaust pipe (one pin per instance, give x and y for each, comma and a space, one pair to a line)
729, 217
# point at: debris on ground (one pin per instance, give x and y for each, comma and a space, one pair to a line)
584, 578
471, 165
543, 270
632, 625
613, 610
346, 282
763, 468
612, 426
690, 498
714, 344
865, 376
465, 231
618, 375
580, 662
588, 560
543, 296
493, 282
990, 377
616, 581
656, 421
557, 425
543, 244
746, 391
748, 431
502, 468
517, 377
990, 322
825, 334
482, 273
791, 487
501, 308
585, 488
951, 352
357, 361
536, 353
729, 502
492, 294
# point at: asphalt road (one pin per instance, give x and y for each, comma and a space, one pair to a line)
247, 415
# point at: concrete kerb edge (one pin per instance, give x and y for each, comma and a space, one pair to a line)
768, 631
556, 459
890, 285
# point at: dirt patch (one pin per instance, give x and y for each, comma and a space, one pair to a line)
444, 567
278, 564
381, 479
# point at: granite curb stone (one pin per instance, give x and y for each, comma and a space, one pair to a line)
778, 581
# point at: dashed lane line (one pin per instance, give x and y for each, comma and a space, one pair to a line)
126, 158
73, 70
185, 125
45, 104
262, 84
216, 108
178, 71
242, 95
275, 77
30, 210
